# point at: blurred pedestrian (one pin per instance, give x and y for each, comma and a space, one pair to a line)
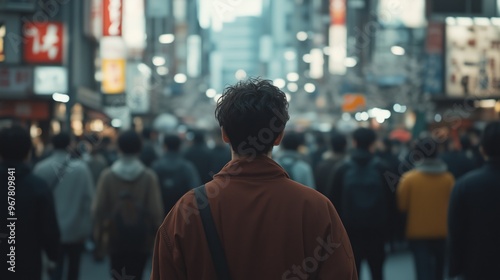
127, 209
72, 186
267, 225
176, 175
456, 159
96, 161
423, 194
108, 150
474, 230
200, 155
150, 151
293, 162
364, 200
36, 229
323, 173
221, 153
320, 147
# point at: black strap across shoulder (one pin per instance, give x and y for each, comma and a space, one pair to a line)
213, 239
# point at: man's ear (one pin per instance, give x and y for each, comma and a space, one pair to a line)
224, 135
279, 138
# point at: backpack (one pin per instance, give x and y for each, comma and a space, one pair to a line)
364, 200
129, 225
288, 163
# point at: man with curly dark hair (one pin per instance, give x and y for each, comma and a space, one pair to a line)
266, 225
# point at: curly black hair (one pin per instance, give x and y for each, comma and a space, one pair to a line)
253, 113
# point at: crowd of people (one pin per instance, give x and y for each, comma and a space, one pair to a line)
318, 210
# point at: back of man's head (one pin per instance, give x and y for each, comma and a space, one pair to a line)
172, 143
364, 138
129, 143
253, 114
15, 143
146, 132
338, 142
198, 137
292, 141
61, 141
490, 140
426, 148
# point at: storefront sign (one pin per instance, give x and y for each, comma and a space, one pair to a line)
16, 81
50, 79
44, 42
112, 18
32, 110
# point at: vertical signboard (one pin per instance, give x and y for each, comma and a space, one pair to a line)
434, 47
113, 61
112, 18
337, 37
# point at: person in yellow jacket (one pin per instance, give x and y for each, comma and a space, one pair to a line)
423, 194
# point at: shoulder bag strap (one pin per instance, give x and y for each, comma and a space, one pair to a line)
213, 240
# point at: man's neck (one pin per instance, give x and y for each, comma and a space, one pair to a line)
235, 156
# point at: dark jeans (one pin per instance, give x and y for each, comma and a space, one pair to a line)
125, 265
73, 252
368, 245
429, 258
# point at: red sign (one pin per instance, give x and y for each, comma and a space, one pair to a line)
337, 12
112, 18
43, 42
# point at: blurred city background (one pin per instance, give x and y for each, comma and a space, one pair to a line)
103, 64
100, 67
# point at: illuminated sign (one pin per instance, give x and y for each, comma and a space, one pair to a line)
112, 18
43, 42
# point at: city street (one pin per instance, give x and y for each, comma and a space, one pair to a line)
399, 266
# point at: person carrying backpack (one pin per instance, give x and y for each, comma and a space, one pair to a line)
292, 161
364, 200
127, 210
176, 175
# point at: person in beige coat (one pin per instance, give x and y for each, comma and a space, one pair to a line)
127, 209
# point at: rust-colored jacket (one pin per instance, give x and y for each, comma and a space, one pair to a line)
271, 228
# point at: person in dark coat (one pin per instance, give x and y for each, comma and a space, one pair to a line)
474, 212
176, 175
456, 159
221, 154
35, 228
149, 152
368, 232
323, 173
199, 154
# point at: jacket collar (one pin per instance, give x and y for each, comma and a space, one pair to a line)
431, 166
260, 167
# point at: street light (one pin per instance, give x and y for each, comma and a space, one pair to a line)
180, 78
166, 38
60, 97
302, 36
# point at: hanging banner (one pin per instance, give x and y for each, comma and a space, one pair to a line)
113, 72
112, 18
113, 61
337, 37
